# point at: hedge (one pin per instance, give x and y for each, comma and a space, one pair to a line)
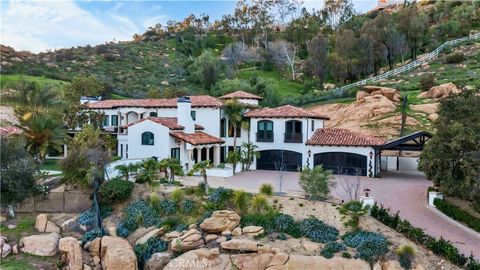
457, 214
116, 190
440, 246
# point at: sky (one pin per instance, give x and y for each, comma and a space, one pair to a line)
41, 25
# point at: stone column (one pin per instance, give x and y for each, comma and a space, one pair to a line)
208, 153
65, 150
216, 155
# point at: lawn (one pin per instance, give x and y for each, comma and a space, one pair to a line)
284, 87
50, 164
7, 79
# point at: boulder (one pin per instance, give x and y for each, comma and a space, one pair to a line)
433, 117
154, 233
322, 263
310, 246
69, 247
172, 235
237, 231
139, 233
226, 233
6, 250
192, 239
200, 259
220, 221
52, 227
221, 239
41, 222
210, 237
3, 219
328, 86
117, 254
370, 90
428, 108
240, 245
361, 95
69, 224
95, 247
158, 261
252, 231
441, 91
111, 223
41, 245
15, 249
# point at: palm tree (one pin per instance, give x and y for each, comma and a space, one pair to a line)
202, 167
174, 167
124, 170
248, 153
234, 111
43, 133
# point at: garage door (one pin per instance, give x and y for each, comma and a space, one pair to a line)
342, 163
269, 158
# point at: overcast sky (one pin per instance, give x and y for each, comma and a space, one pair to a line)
41, 25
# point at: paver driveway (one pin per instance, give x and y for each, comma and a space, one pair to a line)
401, 191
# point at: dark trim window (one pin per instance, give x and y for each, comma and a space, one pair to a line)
114, 120
230, 129
313, 125
265, 131
153, 114
126, 150
121, 150
105, 120
223, 127
147, 138
193, 114
293, 131
175, 153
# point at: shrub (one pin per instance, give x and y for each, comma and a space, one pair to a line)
286, 224
315, 182
426, 82
317, 231
145, 251
205, 215
201, 188
455, 58
458, 214
370, 246
260, 203
178, 195
352, 211
188, 206
219, 195
266, 189
406, 256
168, 207
265, 220
154, 200
138, 213
331, 248
91, 235
281, 236
241, 200
116, 190
346, 255
88, 216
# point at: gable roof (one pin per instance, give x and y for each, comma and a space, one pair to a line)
411, 142
241, 95
169, 122
196, 138
197, 102
286, 111
344, 137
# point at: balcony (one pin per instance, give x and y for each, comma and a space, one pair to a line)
261, 137
293, 137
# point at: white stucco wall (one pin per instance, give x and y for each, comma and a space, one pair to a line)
161, 147
405, 163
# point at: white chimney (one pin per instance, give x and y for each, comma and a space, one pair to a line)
184, 117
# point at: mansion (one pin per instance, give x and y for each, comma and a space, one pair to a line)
196, 128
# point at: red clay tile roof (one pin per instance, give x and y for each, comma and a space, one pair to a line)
338, 136
286, 111
197, 101
169, 122
10, 130
242, 95
196, 138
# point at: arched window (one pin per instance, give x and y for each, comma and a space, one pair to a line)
147, 138
265, 131
293, 131
223, 127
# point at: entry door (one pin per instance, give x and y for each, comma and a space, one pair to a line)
342, 163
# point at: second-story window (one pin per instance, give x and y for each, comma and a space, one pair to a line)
313, 125
153, 114
194, 115
265, 131
223, 128
231, 129
147, 138
293, 131
114, 120
105, 120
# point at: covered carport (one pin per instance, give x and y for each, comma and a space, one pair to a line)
398, 149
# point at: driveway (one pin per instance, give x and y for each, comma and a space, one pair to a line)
404, 191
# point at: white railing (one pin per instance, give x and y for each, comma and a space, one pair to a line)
407, 67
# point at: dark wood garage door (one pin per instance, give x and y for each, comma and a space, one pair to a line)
342, 163
268, 159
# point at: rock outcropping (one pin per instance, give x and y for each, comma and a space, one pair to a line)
41, 245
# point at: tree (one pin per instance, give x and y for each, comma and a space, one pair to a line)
205, 70
316, 182
284, 54
234, 111
173, 165
201, 167
123, 170
451, 158
413, 24
83, 86
345, 47
337, 12
43, 133
351, 212
318, 57
382, 29
17, 169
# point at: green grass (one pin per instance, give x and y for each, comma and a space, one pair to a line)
284, 86
12, 263
25, 261
26, 225
117, 96
10, 79
50, 164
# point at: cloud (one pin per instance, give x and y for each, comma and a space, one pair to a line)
40, 25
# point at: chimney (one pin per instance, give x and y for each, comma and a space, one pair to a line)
184, 117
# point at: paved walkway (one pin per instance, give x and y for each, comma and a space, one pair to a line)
401, 191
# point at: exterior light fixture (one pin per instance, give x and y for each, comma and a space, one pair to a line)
370, 154
309, 153
367, 192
